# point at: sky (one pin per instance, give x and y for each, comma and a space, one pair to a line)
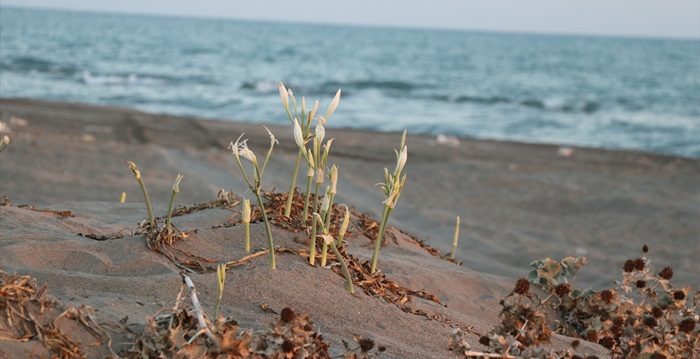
635, 18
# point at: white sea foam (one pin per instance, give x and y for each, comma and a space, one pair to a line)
104, 80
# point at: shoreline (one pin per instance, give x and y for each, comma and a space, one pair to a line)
518, 202
29, 101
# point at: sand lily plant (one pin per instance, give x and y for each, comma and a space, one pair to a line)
221, 281
137, 174
392, 186
303, 119
240, 149
316, 158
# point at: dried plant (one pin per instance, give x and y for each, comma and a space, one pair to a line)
240, 149
392, 186
643, 317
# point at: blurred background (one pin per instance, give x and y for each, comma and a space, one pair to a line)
589, 73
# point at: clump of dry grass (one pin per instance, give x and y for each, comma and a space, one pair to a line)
28, 315
645, 316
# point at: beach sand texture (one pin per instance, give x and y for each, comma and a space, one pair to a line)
517, 203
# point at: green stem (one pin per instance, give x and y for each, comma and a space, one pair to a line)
288, 207
346, 272
148, 202
324, 254
312, 250
247, 236
305, 216
380, 236
267, 229
218, 303
329, 211
170, 214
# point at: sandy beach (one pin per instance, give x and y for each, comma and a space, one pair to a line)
517, 203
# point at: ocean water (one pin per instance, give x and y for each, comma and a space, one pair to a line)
641, 94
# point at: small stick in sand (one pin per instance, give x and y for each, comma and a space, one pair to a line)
204, 328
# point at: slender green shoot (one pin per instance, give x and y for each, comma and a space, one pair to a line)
246, 223
455, 240
240, 149
344, 225
392, 186
328, 240
324, 229
330, 193
221, 279
137, 173
176, 190
314, 225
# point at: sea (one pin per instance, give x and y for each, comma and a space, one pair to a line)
606, 92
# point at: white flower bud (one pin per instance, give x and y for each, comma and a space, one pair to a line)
176, 185
284, 95
298, 134
333, 105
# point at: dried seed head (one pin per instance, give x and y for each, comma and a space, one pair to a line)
657, 356
657, 312
562, 290
484, 340
639, 264
641, 284
366, 344
607, 296
522, 286
592, 336
687, 325
645, 249
287, 315
575, 343
679, 295
629, 266
650, 322
666, 273
607, 343
287, 346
